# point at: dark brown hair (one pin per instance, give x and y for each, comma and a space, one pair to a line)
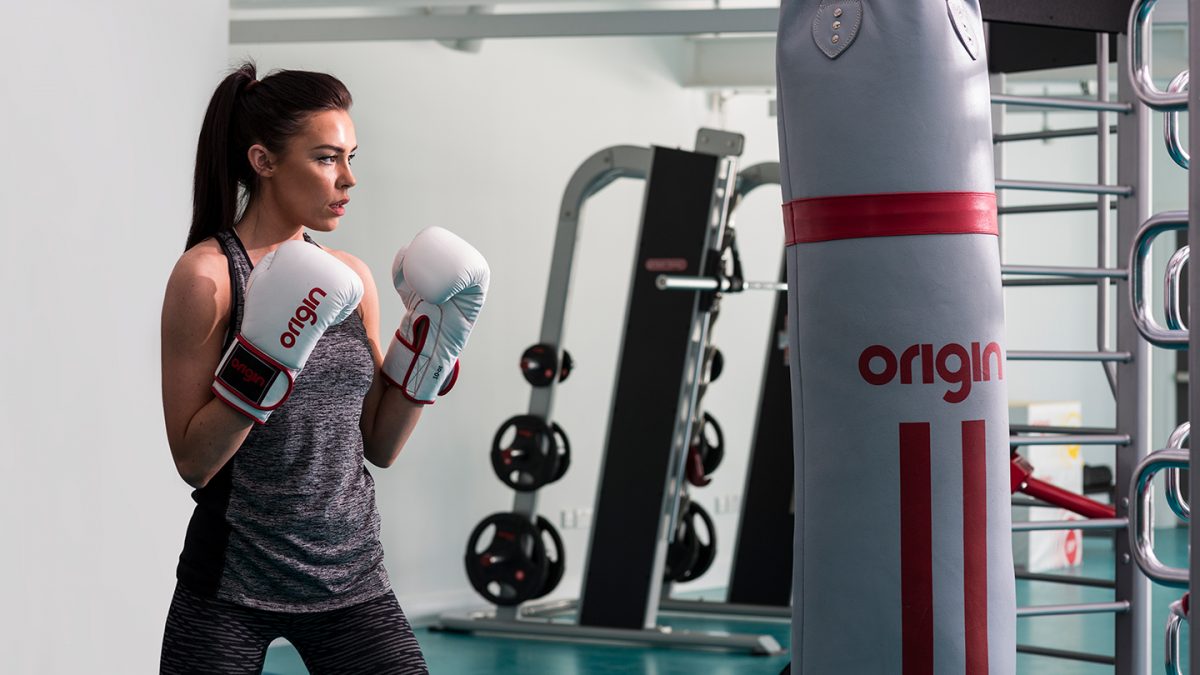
244, 111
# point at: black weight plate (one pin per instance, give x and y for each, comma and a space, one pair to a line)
530, 459
557, 563
707, 549
713, 451
512, 568
563, 451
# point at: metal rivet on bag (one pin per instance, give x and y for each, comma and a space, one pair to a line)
836, 39
837, 25
837, 12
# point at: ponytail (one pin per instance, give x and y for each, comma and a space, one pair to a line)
244, 111
215, 190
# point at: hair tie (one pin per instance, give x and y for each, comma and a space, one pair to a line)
253, 84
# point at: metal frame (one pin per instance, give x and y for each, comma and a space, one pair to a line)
1193, 359
1127, 365
598, 171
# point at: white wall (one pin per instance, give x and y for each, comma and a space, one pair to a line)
102, 105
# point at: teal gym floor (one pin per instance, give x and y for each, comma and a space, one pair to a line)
455, 654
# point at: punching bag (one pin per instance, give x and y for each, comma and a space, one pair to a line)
903, 559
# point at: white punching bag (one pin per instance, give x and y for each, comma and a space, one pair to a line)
903, 559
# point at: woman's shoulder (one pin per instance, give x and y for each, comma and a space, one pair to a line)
351, 261
201, 274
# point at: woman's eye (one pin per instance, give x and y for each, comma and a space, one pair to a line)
328, 159
350, 159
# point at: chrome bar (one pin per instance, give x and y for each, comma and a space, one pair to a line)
1084, 524
1174, 622
1042, 282
1139, 282
1048, 208
1047, 429
1114, 439
1171, 125
1067, 654
1104, 214
1140, 74
1050, 134
1067, 579
1061, 103
1068, 272
1175, 499
1141, 535
1118, 607
1049, 186
674, 282
1171, 294
1101, 357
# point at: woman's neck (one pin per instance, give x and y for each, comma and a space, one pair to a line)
263, 229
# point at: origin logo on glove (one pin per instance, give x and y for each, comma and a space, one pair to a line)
306, 312
247, 374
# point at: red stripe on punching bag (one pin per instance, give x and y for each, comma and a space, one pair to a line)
916, 549
975, 555
889, 215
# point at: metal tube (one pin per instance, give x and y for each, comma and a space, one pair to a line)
1171, 125
1115, 439
1103, 214
1050, 134
1140, 75
1118, 607
1100, 357
1139, 281
675, 282
1060, 103
1171, 294
1048, 208
1141, 535
1131, 631
1174, 622
1067, 579
1066, 654
1175, 499
1193, 358
1101, 272
1050, 186
1085, 524
1047, 429
1048, 281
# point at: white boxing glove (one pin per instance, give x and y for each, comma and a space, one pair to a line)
293, 295
443, 281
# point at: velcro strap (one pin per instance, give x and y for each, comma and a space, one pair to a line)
248, 373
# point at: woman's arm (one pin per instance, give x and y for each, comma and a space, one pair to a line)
203, 432
388, 418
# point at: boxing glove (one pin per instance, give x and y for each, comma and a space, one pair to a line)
443, 281
294, 294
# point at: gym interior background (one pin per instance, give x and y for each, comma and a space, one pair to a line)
102, 105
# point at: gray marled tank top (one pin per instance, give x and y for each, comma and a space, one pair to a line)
290, 523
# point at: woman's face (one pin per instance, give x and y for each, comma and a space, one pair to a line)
311, 180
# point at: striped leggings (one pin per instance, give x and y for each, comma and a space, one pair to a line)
210, 636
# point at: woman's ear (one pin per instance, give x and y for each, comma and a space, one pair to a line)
262, 161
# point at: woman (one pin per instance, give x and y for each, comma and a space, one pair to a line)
275, 388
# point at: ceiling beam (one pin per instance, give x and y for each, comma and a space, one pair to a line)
516, 25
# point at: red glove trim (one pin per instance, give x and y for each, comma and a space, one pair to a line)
258, 353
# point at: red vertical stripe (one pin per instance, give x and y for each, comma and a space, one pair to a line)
916, 549
975, 554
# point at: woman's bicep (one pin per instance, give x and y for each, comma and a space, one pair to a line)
194, 321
